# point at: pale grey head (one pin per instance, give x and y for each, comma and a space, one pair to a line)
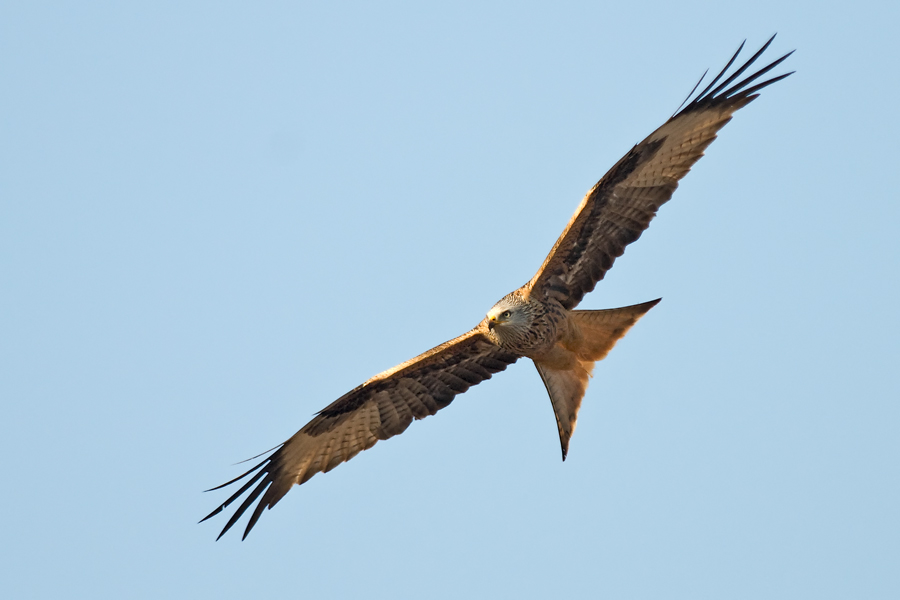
510, 320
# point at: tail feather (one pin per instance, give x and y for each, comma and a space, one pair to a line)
599, 330
592, 335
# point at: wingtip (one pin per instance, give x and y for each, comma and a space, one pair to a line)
211, 515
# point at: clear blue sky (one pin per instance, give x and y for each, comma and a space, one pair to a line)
216, 218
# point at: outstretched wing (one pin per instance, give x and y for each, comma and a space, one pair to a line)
382, 407
619, 208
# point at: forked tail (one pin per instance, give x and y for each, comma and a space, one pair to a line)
594, 335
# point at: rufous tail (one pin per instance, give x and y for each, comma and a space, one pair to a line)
593, 334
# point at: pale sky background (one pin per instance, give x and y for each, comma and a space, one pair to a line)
216, 218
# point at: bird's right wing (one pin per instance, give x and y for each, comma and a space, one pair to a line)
382, 407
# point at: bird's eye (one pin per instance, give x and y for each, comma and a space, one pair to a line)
505, 314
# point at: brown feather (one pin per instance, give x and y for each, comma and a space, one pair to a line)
382, 407
567, 370
612, 215
621, 205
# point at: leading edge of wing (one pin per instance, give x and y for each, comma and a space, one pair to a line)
382, 407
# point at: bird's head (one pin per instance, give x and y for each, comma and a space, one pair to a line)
509, 317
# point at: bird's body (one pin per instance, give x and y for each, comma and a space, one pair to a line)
537, 321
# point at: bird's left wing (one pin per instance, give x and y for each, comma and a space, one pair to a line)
619, 208
382, 407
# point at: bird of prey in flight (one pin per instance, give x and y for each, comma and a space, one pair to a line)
536, 321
